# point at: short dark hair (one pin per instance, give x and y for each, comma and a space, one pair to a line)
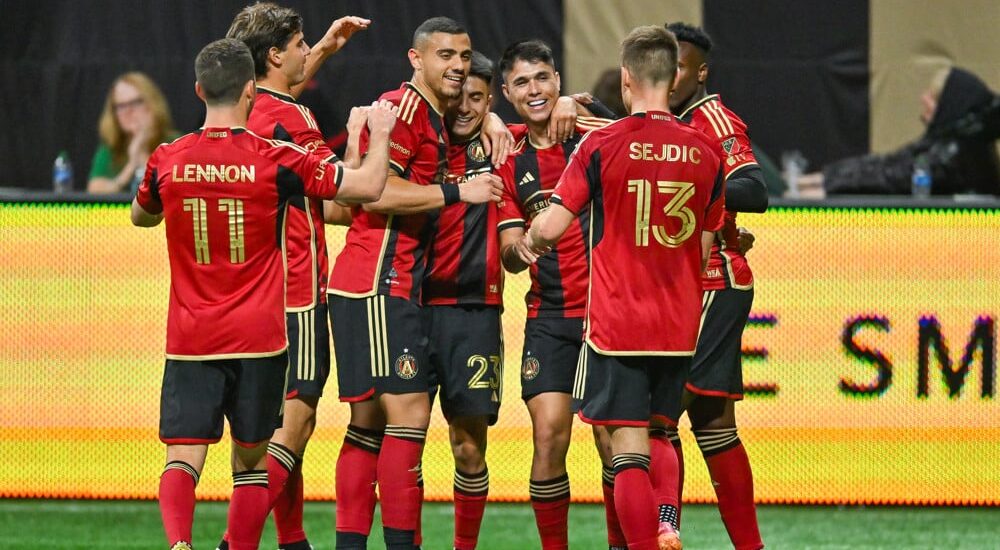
532, 51
692, 35
223, 69
650, 54
481, 67
446, 25
263, 26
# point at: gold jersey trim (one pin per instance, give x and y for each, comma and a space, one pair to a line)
221, 356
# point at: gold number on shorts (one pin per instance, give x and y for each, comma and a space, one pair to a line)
675, 208
481, 364
236, 243
199, 220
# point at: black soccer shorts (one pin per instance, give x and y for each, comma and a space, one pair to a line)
380, 346
717, 369
629, 390
308, 352
197, 394
551, 351
466, 358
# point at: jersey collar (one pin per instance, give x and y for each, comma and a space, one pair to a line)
697, 104
422, 95
276, 94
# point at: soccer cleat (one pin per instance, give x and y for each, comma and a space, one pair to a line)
667, 538
181, 545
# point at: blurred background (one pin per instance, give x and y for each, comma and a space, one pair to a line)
828, 79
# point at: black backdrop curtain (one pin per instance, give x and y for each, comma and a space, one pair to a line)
796, 72
59, 58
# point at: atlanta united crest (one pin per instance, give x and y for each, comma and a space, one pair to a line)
475, 151
530, 368
406, 366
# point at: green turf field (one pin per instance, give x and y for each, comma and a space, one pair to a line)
136, 524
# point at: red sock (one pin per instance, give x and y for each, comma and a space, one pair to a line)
615, 535
398, 475
663, 469
177, 485
675, 440
248, 509
470, 493
280, 463
418, 535
634, 501
356, 475
550, 501
288, 510
729, 468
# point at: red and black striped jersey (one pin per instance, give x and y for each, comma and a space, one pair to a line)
559, 278
386, 254
278, 116
463, 266
727, 267
651, 185
223, 193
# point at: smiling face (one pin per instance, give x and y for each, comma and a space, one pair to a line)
466, 115
442, 63
532, 88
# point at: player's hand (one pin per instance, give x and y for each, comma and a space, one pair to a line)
526, 252
480, 189
382, 116
357, 119
583, 98
746, 240
562, 121
497, 140
340, 31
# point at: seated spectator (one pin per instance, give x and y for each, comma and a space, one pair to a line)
963, 122
135, 120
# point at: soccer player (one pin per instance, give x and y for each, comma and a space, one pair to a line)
280, 52
222, 192
716, 381
375, 287
654, 188
462, 298
558, 294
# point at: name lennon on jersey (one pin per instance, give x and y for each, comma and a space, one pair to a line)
664, 152
214, 173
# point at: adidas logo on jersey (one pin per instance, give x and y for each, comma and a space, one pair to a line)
528, 178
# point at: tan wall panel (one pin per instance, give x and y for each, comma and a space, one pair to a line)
910, 41
595, 28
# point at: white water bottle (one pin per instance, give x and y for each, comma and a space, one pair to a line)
62, 174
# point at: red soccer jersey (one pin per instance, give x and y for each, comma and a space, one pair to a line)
386, 254
727, 267
463, 266
652, 185
559, 278
223, 194
279, 116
